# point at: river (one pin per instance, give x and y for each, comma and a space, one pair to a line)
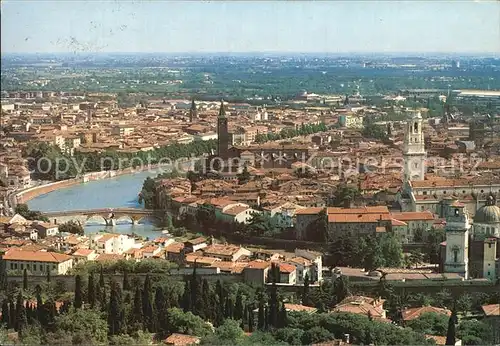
117, 192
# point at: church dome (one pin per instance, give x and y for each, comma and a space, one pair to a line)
489, 213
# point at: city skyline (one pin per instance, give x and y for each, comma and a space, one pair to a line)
466, 27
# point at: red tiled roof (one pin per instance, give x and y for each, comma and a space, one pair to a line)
109, 257
286, 268
181, 339
236, 210
298, 307
197, 241
413, 215
398, 223
491, 310
410, 314
35, 256
258, 264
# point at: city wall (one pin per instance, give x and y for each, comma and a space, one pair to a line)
455, 288
69, 280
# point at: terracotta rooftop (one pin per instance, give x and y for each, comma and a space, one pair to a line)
83, 252
286, 268
298, 307
258, 264
181, 340
221, 249
109, 257
491, 310
197, 241
358, 218
398, 223
35, 256
413, 215
236, 210
410, 314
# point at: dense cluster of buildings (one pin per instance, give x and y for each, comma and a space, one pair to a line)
426, 173
40, 248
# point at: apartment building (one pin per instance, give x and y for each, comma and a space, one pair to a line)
109, 243
37, 262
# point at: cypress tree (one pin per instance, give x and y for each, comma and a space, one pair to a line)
251, 322
47, 315
221, 298
128, 298
273, 305
341, 288
450, 334
91, 291
25, 279
229, 308
21, 318
100, 291
39, 306
126, 282
136, 316
244, 319
115, 311
147, 307
186, 297
205, 306
238, 306
102, 284
306, 300
5, 314
160, 311
78, 292
266, 318
29, 312
261, 317
283, 317
12, 314
103, 301
196, 302
48, 276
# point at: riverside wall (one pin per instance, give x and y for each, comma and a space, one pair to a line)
33, 192
28, 194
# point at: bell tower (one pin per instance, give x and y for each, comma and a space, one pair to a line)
457, 239
222, 133
414, 148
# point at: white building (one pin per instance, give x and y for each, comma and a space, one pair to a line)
414, 149
109, 243
304, 268
457, 240
316, 274
283, 215
486, 228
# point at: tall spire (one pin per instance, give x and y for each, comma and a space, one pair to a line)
193, 112
222, 111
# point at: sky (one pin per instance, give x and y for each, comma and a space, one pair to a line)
455, 26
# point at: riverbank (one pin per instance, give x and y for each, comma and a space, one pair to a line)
26, 195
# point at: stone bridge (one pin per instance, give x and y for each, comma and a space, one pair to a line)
109, 215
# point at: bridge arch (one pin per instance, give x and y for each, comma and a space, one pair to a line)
96, 217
